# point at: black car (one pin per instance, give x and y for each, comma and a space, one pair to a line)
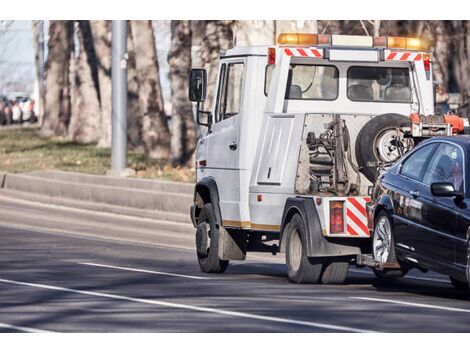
420, 211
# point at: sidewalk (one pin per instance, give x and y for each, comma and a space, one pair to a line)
155, 199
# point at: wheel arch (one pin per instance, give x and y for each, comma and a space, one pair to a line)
383, 203
206, 191
317, 244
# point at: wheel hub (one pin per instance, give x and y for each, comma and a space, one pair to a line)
382, 240
391, 144
295, 251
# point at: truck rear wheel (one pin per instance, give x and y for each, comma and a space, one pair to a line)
300, 268
335, 273
207, 242
380, 141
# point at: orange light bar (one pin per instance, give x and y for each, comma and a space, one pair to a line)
406, 43
297, 39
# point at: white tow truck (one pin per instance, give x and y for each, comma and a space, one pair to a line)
295, 138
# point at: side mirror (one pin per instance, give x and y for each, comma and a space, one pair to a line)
197, 85
197, 93
444, 189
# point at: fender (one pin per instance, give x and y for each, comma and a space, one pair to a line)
209, 192
317, 244
384, 202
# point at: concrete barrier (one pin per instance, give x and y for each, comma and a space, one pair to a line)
157, 195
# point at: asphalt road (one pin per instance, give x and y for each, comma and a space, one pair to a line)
66, 270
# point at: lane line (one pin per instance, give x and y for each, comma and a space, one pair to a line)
357, 271
419, 305
143, 271
190, 307
22, 328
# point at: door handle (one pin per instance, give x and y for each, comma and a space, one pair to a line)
414, 194
233, 146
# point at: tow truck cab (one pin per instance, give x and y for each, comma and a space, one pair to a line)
301, 128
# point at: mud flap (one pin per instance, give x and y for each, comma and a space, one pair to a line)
317, 244
231, 247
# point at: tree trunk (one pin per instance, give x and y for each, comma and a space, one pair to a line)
296, 26
257, 32
441, 53
134, 115
85, 120
38, 40
218, 36
57, 90
155, 132
461, 54
101, 31
184, 138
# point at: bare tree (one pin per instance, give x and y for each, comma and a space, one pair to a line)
85, 121
184, 138
461, 53
256, 32
218, 35
57, 90
38, 63
155, 131
134, 115
101, 32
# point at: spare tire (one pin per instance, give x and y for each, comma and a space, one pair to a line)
379, 141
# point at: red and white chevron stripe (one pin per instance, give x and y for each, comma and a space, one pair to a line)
356, 216
403, 56
304, 52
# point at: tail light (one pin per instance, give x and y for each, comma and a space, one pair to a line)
427, 62
336, 217
271, 56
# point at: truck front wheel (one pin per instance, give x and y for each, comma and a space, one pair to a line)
207, 242
300, 268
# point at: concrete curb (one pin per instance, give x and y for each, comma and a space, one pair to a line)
154, 195
134, 183
99, 207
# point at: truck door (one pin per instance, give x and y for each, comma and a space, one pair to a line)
222, 141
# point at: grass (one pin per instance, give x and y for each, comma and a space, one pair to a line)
24, 150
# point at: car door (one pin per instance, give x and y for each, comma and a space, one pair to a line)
221, 143
439, 214
407, 187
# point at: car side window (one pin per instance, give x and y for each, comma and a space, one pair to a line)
413, 167
446, 165
230, 91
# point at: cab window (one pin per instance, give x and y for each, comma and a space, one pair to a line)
312, 82
379, 84
413, 166
446, 165
230, 91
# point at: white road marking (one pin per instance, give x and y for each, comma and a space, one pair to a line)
144, 271
191, 307
419, 305
21, 328
405, 277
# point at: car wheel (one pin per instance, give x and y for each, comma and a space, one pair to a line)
383, 247
207, 242
335, 273
300, 268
